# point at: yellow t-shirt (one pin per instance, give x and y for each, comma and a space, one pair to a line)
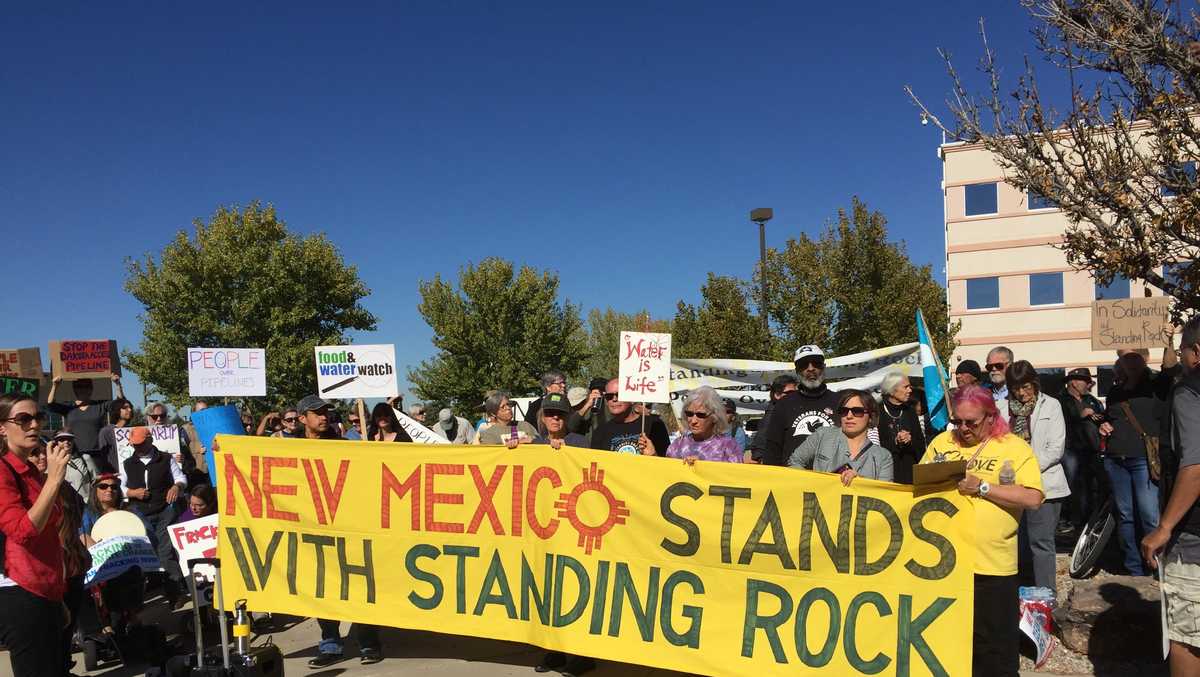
995, 526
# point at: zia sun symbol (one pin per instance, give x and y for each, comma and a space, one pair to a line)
591, 535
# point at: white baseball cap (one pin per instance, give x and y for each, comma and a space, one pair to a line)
808, 351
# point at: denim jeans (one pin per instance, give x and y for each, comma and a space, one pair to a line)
367, 636
1133, 493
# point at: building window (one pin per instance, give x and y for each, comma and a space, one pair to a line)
1045, 289
1052, 380
981, 199
1173, 271
1117, 289
983, 292
1104, 381
1038, 201
1184, 174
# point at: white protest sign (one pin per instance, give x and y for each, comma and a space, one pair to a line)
419, 433
194, 539
227, 372
114, 556
356, 371
644, 373
164, 437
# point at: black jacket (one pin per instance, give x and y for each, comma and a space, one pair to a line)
794, 418
1146, 407
905, 456
1083, 434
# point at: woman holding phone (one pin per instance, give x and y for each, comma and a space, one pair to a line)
32, 614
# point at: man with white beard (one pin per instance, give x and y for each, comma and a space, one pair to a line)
802, 412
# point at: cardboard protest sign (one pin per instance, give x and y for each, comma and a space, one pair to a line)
21, 362
25, 386
214, 421
644, 371
356, 371
114, 556
195, 539
227, 372
630, 558
74, 360
419, 433
1132, 323
164, 437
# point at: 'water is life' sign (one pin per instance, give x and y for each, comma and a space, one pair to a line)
356, 371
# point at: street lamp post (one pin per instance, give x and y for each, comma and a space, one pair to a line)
761, 216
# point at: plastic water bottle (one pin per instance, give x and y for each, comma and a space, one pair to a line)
1007, 474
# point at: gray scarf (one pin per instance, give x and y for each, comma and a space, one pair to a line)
1018, 418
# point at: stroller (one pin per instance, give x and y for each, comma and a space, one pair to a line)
109, 629
108, 625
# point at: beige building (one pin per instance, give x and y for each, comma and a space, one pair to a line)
1007, 282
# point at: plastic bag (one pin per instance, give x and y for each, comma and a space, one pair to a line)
1037, 621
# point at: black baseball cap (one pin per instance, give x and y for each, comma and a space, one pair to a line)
311, 403
598, 384
556, 402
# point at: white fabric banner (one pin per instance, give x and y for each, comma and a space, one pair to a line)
864, 371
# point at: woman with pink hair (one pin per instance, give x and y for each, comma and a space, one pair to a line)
1002, 480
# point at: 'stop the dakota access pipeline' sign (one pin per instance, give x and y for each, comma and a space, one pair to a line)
227, 372
76, 360
356, 371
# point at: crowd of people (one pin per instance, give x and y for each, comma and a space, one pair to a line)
1036, 462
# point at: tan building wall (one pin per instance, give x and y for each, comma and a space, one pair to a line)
1010, 245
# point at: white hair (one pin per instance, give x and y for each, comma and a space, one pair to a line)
712, 403
891, 381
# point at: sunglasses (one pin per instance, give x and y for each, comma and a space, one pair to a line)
106, 487
289, 419
610, 396
809, 362
156, 416
25, 419
995, 366
553, 414
964, 423
695, 414
857, 412
354, 421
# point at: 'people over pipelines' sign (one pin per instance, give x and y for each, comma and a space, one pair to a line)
720, 569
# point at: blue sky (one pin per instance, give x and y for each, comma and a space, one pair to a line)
619, 145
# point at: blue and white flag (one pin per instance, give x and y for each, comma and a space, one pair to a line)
935, 377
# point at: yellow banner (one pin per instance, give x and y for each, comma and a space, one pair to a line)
716, 568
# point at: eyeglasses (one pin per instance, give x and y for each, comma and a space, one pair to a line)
289, 419
25, 419
354, 421
857, 412
695, 414
995, 366
156, 416
106, 487
810, 362
610, 396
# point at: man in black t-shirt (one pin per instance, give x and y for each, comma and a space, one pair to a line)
802, 412
623, 431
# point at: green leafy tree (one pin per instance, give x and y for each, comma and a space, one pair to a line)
604, 329
852, 290
242, 280
496, 329
722, 326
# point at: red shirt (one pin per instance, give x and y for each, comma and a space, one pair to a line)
32, 559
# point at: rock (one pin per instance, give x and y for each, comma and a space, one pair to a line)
1113, 617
